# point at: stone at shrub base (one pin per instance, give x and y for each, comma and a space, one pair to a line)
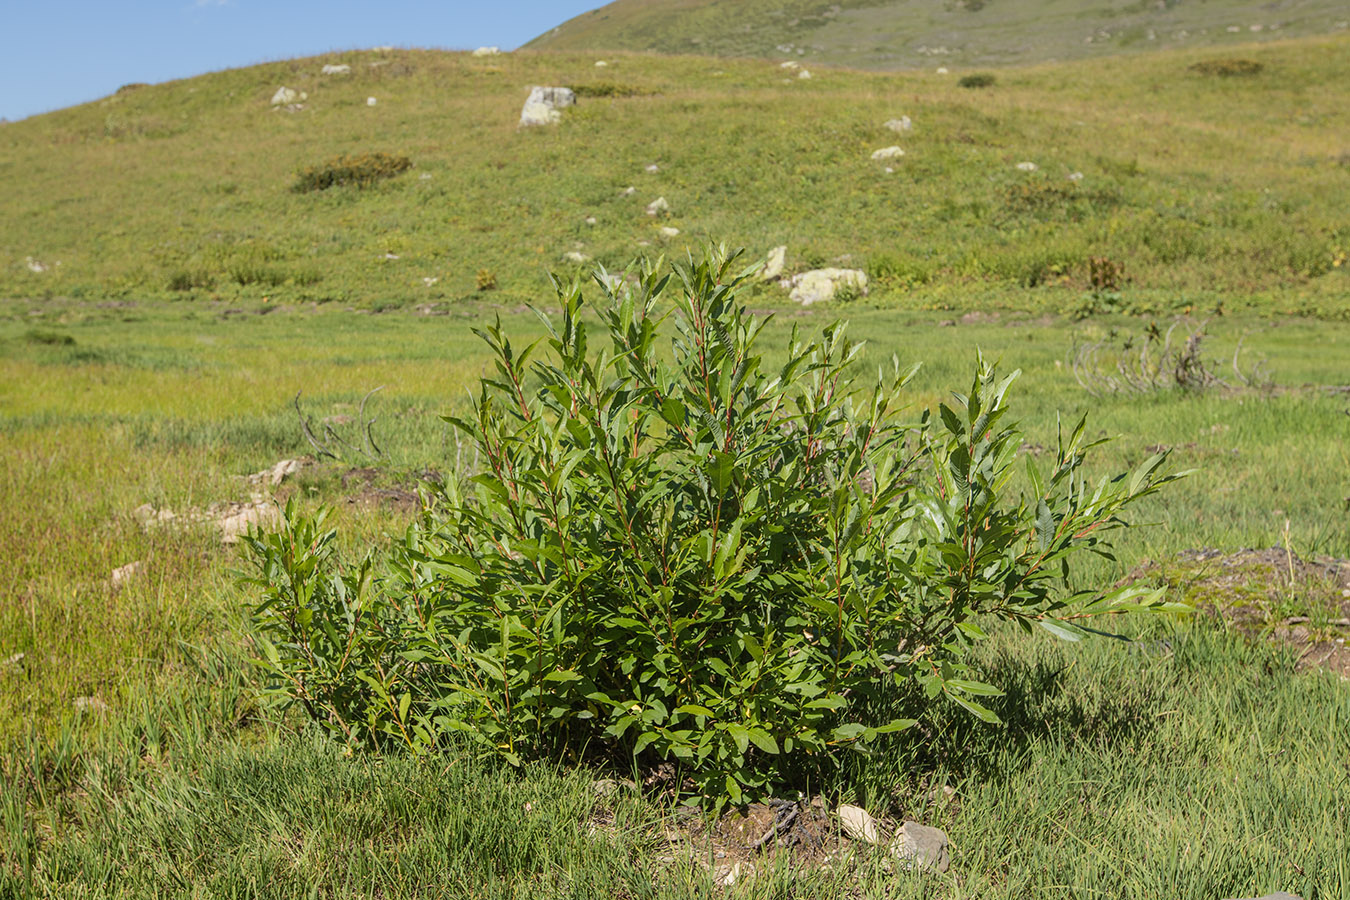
859, 824
921, 847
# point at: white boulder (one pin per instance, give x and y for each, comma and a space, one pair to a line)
942, 70
790, 64
600, 63
371, 101
543, 105
1027, 166
804, 74
773, 267
337, 70
899, 125
287, 96
819, 285
487, 51
669, 231
658, 206
887, 153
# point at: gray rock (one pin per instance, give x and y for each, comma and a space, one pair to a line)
921, 847
543, 105
819, 285
773, 266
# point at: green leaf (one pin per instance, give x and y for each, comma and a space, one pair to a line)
1061, 629
763, 740
976, 709
978, 688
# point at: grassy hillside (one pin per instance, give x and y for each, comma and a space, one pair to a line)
1202, 189
895, 34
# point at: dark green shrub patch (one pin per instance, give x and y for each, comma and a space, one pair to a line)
679, 552
977, 80
1228, 68
608, 89
362, 170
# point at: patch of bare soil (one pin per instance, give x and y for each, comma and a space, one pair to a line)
1268, 594
364, 487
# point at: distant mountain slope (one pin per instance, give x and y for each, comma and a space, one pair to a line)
1199, 188
895, 34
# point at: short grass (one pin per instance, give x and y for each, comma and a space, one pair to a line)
898, 34
1202, 189
1191, 762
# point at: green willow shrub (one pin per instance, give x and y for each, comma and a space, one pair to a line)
687, 554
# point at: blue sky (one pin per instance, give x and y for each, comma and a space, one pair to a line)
56, 53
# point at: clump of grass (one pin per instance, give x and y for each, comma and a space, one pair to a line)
133, 86
49, 338
1105, 274
362, 170
608, 89
191, 279
245, 274
1228, 67
977, 80
485, 280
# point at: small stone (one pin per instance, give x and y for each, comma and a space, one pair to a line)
590, 220
600, 63
668, 231
288, 96
371, 101
628, 191
658, 206
859, 824
920, 846
1027, 166
576, 256
738, 872
804, 75
123, 574
942, 70
337, 70
900, 125
773, 266
891, 152
653, 168
790, 64
487, 51
429, 280
1075, 176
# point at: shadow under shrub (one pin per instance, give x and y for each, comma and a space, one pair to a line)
362, 170
686, 555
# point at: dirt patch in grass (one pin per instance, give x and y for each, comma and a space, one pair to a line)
1270, 594
369, 486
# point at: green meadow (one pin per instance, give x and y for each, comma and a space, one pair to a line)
199, 300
